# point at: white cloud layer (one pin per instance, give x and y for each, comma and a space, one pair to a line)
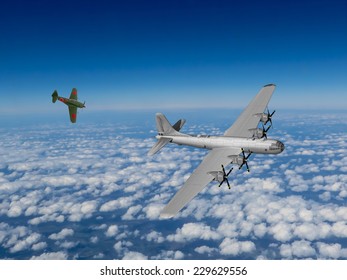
57, 185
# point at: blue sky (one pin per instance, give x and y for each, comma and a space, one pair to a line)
159, 54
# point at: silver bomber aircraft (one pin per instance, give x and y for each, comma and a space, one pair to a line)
242, 139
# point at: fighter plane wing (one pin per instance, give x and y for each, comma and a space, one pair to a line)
250, 116
73, 94
73, 113
213, 161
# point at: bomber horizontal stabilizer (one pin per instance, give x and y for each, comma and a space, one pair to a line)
157, 146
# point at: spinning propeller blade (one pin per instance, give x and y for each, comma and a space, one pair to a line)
269, 116
245, 158
265, 130
225, 177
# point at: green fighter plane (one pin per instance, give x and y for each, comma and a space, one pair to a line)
71, 102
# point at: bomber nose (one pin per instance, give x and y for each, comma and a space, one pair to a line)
280, 145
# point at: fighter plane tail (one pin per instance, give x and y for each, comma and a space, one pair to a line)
54, 96
165, 129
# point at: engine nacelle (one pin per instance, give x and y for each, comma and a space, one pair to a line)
237, 160
217, 175
264, 118
258, 133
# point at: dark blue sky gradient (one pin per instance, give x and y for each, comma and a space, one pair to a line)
139, 54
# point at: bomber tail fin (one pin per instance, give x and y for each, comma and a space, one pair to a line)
54, 96
165, 129
178, 125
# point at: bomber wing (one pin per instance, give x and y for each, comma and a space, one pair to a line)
73, 94
73, 113
250, 117
213, 161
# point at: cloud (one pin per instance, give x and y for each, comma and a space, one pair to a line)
155, 237
14, 211
39, 246
198, 208
119, 203
131, 212
17, 239
112, 231
282, 231
62, 234
134, 256
260, 230
79, 211
59, 181
234, 247
339, 229
94, 239
152, 211
205, 250
122, 246
305, 215
331, 251
169, 255
297, 249
191, 231
51, 256
310, 231
67, 244
25, 243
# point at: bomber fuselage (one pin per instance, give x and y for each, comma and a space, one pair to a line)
254, 145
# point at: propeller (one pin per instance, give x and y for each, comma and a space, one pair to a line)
225, 177
269, 116
266, 130
245, 158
